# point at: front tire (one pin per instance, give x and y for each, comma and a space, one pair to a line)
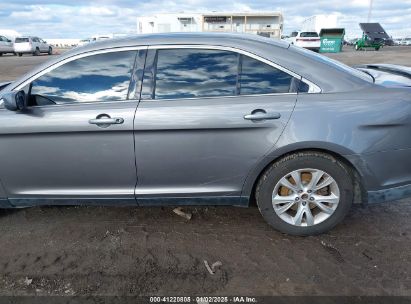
305, 193
20, 54
50, 52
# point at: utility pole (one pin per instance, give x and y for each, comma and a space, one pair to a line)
369, 12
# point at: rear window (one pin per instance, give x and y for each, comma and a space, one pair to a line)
308, 34
259, 78
20, 40
187, 73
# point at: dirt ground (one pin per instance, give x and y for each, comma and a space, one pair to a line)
152, 251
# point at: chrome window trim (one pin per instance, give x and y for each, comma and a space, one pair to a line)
74, 57
217, 97
313, 88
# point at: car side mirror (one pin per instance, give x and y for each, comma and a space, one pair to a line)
15, 101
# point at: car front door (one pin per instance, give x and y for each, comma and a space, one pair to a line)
205, 119
43, 45
74, 143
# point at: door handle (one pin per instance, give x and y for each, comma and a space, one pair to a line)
104, 120
261, 115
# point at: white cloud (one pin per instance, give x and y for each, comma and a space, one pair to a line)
33, 13
75, 19
96, 11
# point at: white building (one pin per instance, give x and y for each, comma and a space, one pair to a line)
317, 22
268, 24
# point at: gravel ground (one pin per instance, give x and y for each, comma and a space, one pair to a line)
152, 251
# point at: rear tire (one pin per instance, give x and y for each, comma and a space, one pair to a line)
20, 54
1, 54
50, 52
36, 52
312, 211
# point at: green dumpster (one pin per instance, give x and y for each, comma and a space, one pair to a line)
331, 40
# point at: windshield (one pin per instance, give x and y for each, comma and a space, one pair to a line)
308, 34
19, 40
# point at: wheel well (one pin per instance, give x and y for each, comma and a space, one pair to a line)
360, 195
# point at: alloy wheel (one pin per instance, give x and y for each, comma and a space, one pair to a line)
305, 197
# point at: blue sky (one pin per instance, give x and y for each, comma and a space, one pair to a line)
80, 19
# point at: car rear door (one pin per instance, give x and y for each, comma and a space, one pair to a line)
74, 143
207, 115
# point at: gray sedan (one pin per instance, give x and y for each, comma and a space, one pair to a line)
205, 119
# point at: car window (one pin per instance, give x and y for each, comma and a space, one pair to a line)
294, 34
20, 40
308, 34
257, 77
185, 73
101, 77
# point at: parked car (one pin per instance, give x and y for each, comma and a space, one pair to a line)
390, 75
205, 119
307, 40
397, 41
6, 46
405, 41
31, 45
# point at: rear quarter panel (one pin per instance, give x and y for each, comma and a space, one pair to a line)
371, 128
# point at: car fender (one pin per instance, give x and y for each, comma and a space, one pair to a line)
279, 151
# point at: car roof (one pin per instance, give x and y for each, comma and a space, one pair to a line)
175, 38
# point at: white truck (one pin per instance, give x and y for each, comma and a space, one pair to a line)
31, 45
